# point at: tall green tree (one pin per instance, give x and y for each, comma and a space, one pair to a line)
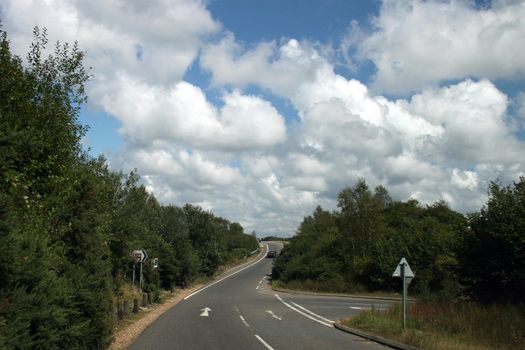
493, 251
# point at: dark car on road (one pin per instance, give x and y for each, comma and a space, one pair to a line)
271, 254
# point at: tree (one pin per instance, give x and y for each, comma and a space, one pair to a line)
493, 250
56, 285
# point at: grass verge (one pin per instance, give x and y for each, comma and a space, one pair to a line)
447, 326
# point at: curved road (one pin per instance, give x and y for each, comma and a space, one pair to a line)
241, 311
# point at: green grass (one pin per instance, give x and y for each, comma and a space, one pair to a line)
448, 326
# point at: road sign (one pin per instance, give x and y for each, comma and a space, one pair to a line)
404, 271
408, 270
139, 255
155, 263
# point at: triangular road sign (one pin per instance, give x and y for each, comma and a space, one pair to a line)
408, 270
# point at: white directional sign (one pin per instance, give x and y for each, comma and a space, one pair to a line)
404, 271
139, 255
205, 312
408, 270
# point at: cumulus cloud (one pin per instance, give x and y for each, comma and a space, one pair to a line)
280, 68
426, 147
419, 43
242, 159
181, 113
153, 41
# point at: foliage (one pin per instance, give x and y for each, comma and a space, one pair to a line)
68, 223
357, 247
493, 251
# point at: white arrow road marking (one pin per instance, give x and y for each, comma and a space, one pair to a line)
205, 312
274, 315
327, 324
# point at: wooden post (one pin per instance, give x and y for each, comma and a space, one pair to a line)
135, 305
120, 310
126, 308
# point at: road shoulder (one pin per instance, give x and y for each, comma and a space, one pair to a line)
375, 338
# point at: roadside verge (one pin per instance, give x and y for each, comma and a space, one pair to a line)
377, 339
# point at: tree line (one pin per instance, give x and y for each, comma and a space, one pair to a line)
68, 223
478, 257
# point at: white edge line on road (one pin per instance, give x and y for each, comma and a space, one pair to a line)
264, 343
244, 321
313, 313
222, 279
302, 313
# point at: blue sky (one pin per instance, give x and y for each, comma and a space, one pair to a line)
262, 110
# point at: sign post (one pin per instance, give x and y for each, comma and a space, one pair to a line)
404, 271
139, 255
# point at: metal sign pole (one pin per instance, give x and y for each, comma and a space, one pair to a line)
140, 278
404, 295
133, 282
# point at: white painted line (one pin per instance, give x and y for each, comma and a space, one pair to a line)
222, 279
256, 287
244, 321
302, 313
264, 343
313, 313
367, 308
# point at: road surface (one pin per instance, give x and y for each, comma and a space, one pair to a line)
243, 312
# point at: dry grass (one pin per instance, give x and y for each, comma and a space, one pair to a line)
448, 326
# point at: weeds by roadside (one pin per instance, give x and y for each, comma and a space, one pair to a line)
448, 326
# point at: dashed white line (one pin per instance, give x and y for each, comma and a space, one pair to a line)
302, 313
222, 279
263, 342
244, 321
313, 313
261, 281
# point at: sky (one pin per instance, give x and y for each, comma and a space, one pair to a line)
262, 110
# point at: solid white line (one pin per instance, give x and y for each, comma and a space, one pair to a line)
222, 279
263, 342
302, 313
313, 313
244, 321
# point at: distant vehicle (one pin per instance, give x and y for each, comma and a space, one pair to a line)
271, 254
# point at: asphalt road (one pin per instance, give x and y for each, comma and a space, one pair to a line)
243, 312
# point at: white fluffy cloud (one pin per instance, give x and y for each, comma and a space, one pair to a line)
154, 41
442, 143
416, 43
241, 158
181, 113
